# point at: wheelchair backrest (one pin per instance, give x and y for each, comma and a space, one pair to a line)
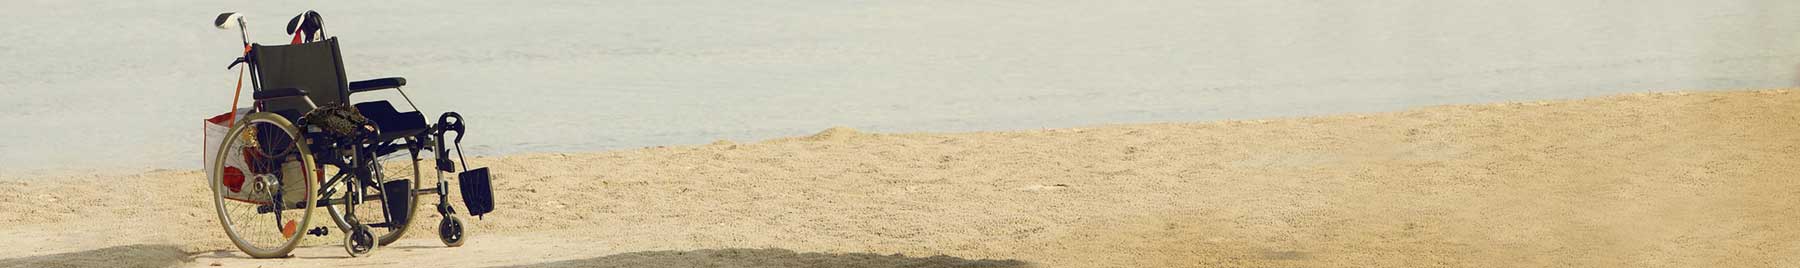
316, 67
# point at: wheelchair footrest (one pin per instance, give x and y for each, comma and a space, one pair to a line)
477, 191
398, 195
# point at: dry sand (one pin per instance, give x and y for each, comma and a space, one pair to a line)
1646, 180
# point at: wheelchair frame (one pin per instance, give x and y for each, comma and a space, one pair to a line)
356, 158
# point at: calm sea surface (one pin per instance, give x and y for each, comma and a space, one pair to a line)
122, 85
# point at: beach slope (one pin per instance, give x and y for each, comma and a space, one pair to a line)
1644, 180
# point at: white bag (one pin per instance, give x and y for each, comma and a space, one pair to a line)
214, 134
239, 182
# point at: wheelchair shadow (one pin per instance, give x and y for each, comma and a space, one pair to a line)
142, 255
233, 254
749, 258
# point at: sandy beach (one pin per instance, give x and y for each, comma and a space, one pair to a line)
1640, 180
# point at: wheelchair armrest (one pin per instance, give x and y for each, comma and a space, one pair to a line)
377, 84
278, 93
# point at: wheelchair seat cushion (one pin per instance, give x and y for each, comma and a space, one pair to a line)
392, 123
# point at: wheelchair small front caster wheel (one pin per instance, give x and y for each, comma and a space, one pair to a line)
451, 231
359, 241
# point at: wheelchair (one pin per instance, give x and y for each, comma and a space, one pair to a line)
272, 164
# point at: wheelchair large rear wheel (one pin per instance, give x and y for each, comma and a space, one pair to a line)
389, 222
263, 187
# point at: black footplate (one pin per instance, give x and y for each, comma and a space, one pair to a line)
477, 191
399, 194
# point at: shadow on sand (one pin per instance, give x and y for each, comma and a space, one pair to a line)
134, 256
772, 258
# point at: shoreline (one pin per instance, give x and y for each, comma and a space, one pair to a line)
59, 172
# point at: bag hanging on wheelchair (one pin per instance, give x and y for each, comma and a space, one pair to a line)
212, 134
241, 167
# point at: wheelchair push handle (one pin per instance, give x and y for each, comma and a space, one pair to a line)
234, 21
306, 27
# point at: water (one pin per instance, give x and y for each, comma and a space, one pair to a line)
122, 85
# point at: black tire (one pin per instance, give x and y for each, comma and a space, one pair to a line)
450, 230
360, 241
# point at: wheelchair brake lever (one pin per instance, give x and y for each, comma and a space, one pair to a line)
370, 132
